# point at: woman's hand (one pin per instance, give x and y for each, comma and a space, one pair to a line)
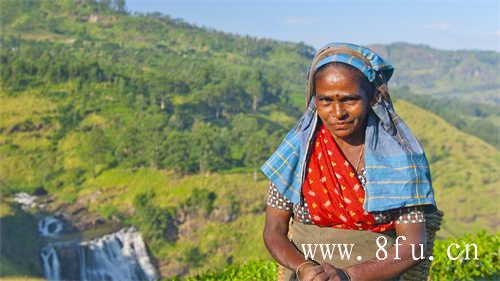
322, 272
332, 273
310, 272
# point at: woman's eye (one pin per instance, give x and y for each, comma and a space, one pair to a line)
350, 101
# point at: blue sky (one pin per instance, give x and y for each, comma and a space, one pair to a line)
441, 24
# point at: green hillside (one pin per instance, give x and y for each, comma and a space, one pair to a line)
158, 57
464, 169
474, 118
462, 86
150, 121
463, 74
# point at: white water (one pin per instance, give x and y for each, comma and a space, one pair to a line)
50, 263
120, 256
50, 226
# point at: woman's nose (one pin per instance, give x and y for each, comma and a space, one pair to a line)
339, 111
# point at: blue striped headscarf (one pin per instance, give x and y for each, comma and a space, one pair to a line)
397, 171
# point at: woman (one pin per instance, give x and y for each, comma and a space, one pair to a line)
350, 172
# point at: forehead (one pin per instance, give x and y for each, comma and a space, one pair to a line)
338, 79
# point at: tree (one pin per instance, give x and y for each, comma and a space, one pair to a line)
252, 81
210, 147
177, 152
96, 150
257, 149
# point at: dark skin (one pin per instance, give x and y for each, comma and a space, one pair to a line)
342, 105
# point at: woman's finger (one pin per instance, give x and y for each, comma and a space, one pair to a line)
323, 276
312, 272
328, 268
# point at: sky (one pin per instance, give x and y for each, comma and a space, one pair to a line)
444, 24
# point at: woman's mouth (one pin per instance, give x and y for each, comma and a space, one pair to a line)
342, 125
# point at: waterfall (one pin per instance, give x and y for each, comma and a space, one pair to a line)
50, 263
114, 257
118, 256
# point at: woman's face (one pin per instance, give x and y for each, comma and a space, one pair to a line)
342, 103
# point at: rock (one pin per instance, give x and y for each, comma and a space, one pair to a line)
40, 191
25, 200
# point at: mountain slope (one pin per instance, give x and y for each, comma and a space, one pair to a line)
463, 74
464, 169
136, 119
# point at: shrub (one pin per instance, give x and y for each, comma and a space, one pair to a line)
486, 267
252, 270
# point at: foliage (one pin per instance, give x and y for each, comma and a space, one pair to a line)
153, 222
146, 90
251, 270
471, 117
201, 200
464, 75
194, 257
485, 267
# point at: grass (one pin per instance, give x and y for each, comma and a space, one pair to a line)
27, 106
21, 278
465, 171
27, 123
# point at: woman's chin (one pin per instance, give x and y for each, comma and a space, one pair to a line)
343, 133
